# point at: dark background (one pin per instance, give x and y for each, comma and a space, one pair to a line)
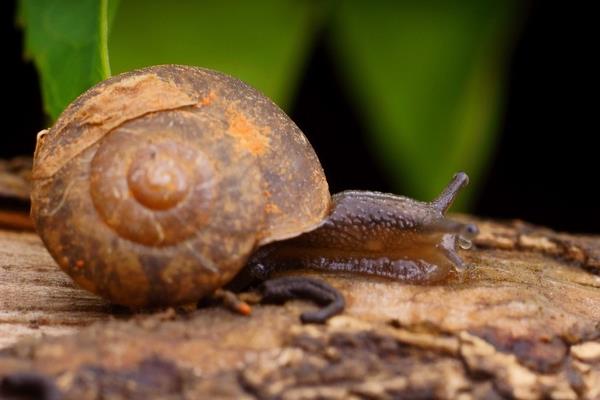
545, 165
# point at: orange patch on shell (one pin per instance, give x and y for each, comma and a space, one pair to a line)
207, 100
250, 136
272, 208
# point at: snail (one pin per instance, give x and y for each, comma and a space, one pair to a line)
160, 186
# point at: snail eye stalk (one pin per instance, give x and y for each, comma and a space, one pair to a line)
446, 198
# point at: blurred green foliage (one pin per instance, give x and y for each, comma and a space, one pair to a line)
429, 80
264, 43
428, 76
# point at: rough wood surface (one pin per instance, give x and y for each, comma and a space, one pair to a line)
15, 178
15, 186
523, 322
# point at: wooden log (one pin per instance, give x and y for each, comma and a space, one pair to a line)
522, 322
15, 186
36, 298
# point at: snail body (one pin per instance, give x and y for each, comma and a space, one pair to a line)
378, 234
157, 186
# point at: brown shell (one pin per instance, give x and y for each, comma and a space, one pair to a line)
155, 186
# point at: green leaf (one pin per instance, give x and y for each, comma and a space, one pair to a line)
67, 41
261, 42
428, 77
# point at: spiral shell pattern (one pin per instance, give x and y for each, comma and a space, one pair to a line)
155, 186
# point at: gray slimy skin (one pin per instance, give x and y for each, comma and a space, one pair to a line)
378, 234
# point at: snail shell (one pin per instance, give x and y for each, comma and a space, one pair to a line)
155, 186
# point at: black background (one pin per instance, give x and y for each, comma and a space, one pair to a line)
546, 163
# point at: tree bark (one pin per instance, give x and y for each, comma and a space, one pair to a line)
15, 186
522, 322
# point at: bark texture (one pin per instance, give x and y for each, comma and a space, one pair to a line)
15, 186
523, 322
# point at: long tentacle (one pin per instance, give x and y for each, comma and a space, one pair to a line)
446, 198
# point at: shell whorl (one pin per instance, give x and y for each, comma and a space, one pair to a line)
153, 187
157, 197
